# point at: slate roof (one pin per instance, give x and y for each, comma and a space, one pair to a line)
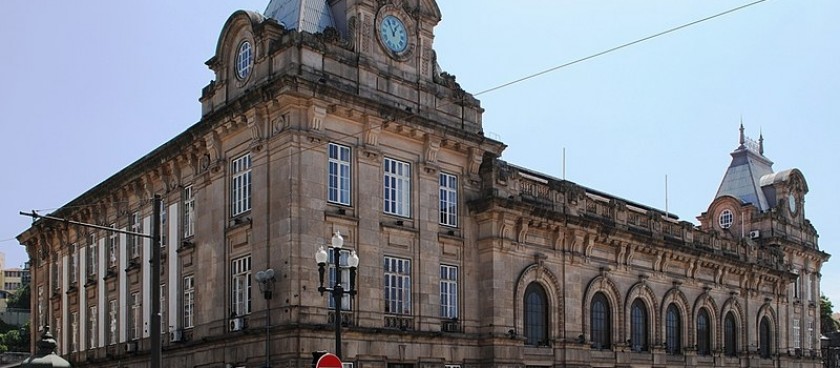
311, 16
743, 177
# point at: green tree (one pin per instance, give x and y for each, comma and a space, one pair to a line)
827, 323
20, 299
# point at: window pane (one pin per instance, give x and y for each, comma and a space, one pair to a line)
536, 316
600, 322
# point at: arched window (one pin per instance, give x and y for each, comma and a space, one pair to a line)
536, 315
764, 338
599, 322
704, 333
638, 326
673, 330
730, 335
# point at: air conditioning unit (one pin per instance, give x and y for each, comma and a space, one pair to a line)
237, 324
176, 335
755, 234
130, 347
450, 327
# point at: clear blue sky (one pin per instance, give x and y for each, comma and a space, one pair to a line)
89, 87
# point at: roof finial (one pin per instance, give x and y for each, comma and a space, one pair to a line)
741, 141
760, 142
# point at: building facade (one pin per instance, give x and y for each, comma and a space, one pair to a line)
333, 116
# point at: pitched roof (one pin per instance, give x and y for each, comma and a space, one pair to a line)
311, 16
743, 177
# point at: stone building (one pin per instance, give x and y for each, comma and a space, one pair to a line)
333, 116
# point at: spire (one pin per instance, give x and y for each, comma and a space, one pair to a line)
741, 140
760, 142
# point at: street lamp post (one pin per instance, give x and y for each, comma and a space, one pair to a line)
266, 282
337, 289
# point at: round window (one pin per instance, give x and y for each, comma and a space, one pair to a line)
244, 60
725, 219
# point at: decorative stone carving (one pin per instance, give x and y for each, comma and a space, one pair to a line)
430, 149
316, 115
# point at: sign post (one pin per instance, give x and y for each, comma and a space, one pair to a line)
328, 360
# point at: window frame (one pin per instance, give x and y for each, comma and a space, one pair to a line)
339, 174
765, 338
397, 285
704, 332
639, 323
673, 330
113, 322
240, 286
113, 247
134, 242
730, 335
600, 322
448, 291
536, 315
240, 185
92, 328
135, 320
448, 199
726, 219
396, 198
92, 255
189, 301
189, 211
346, 300
244, 61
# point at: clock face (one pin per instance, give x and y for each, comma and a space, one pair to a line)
393, 34
792, 203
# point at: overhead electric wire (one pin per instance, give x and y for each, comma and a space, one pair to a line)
493, 89
549, 70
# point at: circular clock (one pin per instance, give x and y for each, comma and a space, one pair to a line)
792, 203
393, 34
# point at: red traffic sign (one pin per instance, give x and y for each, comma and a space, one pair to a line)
328, 360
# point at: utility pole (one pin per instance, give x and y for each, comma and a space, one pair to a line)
154, 331
154, 263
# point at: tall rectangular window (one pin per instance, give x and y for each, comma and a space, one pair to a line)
810, 338
448, 291
135, 320
56, 276
135, 243
74, 331
808, 289
397, 285
448, 200
797, 338
74, 264
241, 286
397, 188
339, 174
113, 310
164, 225
42, 313
113, 246
189, 211
240, 185
345, 277
92, 256
189, 301
91, 328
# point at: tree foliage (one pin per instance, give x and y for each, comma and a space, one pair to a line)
20, 299
15, 339
827, 322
